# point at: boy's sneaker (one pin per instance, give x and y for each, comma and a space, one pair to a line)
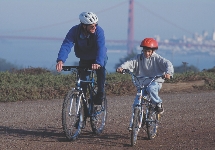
98, 98
159, 108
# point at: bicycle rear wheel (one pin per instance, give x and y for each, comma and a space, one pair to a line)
135, 126
152, 123
72, 115
99, 116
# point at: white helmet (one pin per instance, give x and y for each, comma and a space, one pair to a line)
88, 18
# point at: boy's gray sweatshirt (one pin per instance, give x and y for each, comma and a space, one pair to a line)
149, 67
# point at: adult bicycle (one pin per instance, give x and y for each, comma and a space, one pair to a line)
144, 114
78, 105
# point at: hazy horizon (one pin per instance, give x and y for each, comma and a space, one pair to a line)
53, 18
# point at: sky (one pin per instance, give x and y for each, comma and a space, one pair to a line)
54, 18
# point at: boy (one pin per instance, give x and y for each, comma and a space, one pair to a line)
150, 64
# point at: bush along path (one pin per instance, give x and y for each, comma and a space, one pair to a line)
37, 83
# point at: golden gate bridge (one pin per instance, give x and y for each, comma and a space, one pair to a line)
130, 42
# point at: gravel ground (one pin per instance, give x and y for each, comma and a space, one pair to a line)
187, 123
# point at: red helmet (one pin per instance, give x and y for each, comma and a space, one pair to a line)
149, 43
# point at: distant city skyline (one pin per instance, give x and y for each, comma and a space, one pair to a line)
167, 19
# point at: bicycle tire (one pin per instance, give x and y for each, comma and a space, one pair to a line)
99, 117
72, 121
135, 126
152, 123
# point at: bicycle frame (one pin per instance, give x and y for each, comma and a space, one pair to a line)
90, 84
145, 105
78, 105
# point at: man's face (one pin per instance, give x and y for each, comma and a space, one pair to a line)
148, 52
91, 28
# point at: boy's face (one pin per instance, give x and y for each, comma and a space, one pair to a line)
147, 52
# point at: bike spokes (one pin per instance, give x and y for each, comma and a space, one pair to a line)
135, 126
72, 116
152, 124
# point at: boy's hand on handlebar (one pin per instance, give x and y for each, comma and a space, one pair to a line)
167, 76
59, 66
119, 70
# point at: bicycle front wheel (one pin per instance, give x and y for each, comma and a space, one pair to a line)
72, 115
152, 123
135, 126
99, 116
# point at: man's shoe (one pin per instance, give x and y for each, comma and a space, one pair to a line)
98, 98
159, 108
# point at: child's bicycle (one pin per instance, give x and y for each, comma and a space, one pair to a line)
144, 115
78, 106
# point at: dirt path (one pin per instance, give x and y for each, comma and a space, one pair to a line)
188, 123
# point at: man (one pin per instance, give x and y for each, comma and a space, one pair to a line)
89, 45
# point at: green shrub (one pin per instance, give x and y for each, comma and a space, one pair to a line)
42, 84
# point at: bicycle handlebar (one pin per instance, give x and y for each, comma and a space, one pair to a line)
137, 82
124, 71
69, 68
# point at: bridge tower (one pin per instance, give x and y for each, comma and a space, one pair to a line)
130, 40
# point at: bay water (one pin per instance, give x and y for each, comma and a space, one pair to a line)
31, 53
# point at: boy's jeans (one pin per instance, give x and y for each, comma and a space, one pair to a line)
153, 90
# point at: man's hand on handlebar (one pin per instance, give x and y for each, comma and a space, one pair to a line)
59, 66
96, 66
